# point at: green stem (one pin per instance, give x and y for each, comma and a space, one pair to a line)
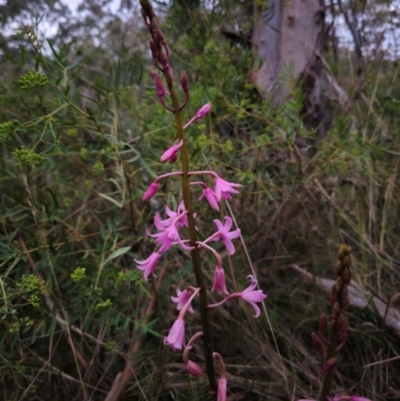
204, 313
327, 382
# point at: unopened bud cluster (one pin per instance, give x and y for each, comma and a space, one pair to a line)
339, 301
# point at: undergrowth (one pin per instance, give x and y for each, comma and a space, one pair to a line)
80, 144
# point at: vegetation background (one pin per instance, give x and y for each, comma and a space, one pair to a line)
81, 133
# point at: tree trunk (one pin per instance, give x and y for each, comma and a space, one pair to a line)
288, 39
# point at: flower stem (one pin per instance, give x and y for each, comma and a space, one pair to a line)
204, 313
327, 382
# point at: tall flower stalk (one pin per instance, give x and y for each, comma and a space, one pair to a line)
169, 234
329, 345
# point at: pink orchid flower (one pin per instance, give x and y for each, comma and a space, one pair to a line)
171, 154
176, 336
182, 298
169, 229
211, 197
163, 224
251, 296
167, 237
248, 295
149, 265
225, 235
223, 188
219, 281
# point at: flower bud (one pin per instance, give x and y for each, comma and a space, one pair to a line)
159, 85
154, 50
329, 366
317, 341
323, 324
151, 191
171, 154
194, 369
185, 82
203, 110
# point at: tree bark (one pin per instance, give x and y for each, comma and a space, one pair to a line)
288, 39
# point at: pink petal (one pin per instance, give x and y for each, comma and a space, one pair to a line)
149, 265
228, 224
223, 188
209, 194
219, 281
233, 234
256, 309
160, 224
219, 224
356, 398
226, 196
254, 296
221, 392
176, 336
229, 245
182, 298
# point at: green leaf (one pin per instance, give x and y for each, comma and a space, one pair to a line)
55, 54
23, 56
111, 200
117, 253
11, 58
75, 63
148, 168
37, 62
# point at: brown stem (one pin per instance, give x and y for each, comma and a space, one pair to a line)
204, 313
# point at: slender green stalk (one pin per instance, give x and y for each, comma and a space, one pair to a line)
204, 313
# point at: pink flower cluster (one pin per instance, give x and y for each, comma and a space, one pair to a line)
169, 234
